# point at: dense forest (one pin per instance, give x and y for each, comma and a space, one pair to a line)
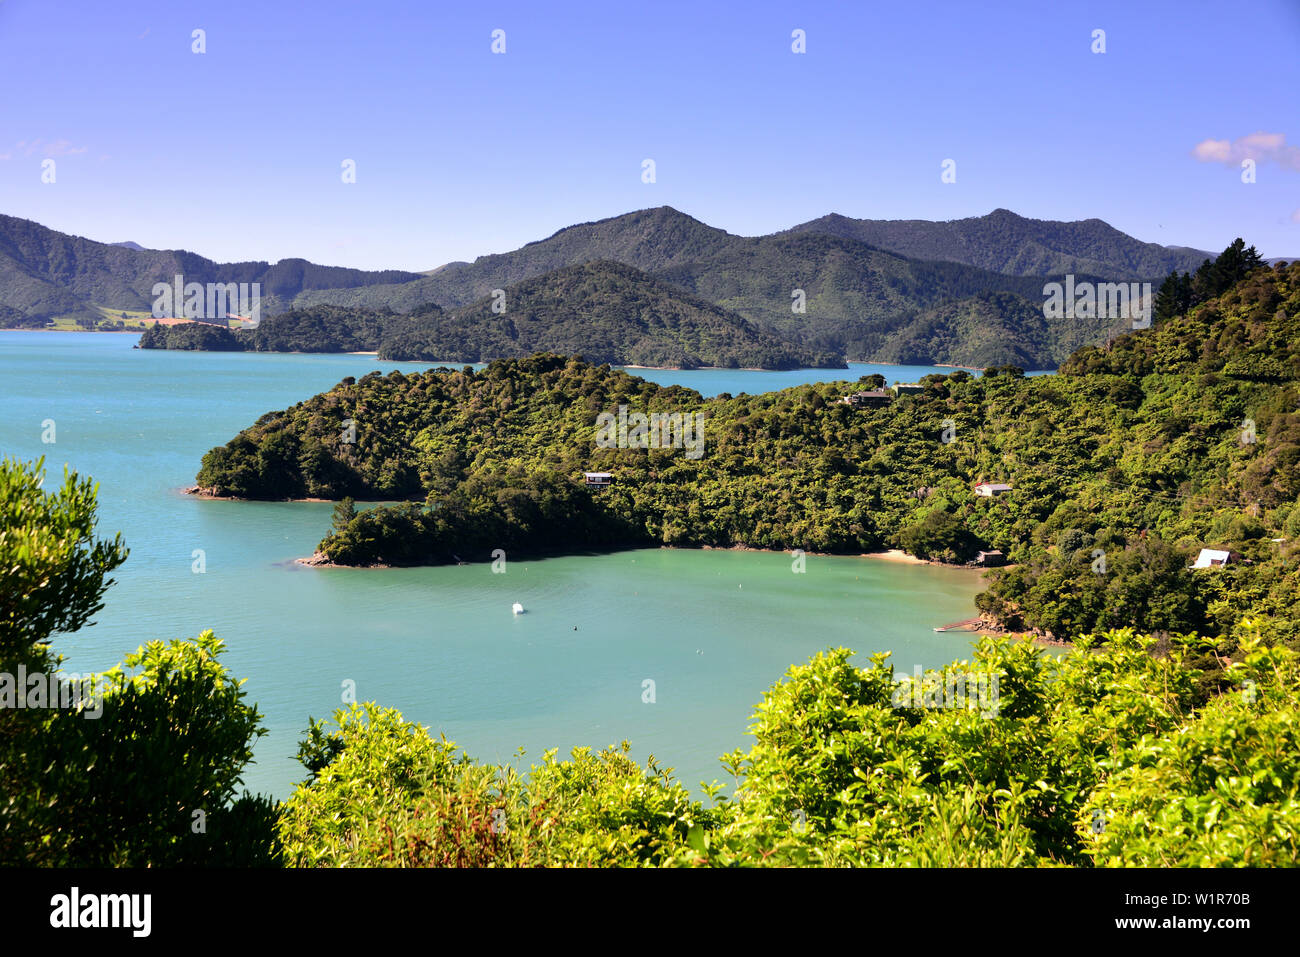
1107, 756
1122, 468
192, 336
991, 328
316, 329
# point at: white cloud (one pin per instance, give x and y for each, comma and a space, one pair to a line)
41, 148
1260, 147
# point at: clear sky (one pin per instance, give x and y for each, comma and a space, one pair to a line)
237, 153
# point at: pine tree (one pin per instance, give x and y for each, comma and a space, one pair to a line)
344, 512
1174, 297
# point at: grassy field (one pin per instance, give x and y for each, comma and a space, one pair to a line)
132, 320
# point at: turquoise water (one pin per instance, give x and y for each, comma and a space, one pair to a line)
711, 629
710, 382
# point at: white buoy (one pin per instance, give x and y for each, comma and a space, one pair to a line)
517, 608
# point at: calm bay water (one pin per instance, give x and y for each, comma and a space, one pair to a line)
711, 629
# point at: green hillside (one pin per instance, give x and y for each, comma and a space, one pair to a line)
606, 312
991, 328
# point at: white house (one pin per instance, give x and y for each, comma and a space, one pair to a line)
1212, 558
598, 479
990, 489
869, 397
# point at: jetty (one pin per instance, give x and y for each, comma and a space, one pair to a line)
970, 624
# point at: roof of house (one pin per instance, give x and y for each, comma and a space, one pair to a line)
1212, 556
995, 486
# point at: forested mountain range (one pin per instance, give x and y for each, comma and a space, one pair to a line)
1007, 243
968, 292
45, 273
855, 298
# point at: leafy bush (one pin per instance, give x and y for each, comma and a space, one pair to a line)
111, 770
53, 572
390, 795
1016, 758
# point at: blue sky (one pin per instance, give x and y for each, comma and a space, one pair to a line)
237, 153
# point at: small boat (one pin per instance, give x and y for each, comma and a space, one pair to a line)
517, 608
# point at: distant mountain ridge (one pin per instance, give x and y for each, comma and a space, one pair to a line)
46, 273
648, 239
1008, 243
855, 294
861, 289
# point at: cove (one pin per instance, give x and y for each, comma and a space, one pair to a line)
713, 629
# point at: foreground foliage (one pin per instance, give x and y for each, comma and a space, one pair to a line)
390, 795
138, 766
1109, 755
1100, 757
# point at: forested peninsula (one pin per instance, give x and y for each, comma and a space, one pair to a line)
1121, 469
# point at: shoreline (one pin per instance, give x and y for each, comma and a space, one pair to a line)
901, 557
444, 363
893, 555
199, 492
889, 555
318, 560
103, 332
